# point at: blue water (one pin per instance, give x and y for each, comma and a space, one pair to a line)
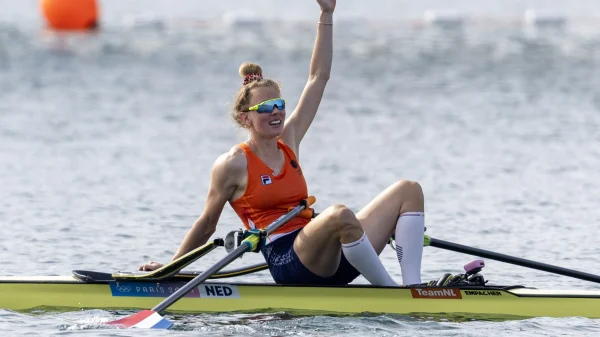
107, 140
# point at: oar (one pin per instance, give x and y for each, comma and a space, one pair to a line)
171, 268
153, 319
429, 241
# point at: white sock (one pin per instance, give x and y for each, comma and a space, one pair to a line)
363, 257
409, 245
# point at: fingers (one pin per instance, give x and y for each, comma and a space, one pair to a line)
148, 266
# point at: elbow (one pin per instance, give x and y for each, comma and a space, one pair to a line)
210, 230
319, 77
205, 227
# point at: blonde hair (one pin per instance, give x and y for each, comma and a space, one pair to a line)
252, 75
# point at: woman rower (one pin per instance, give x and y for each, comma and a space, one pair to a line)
261, 178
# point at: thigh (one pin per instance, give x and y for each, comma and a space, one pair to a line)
318, 245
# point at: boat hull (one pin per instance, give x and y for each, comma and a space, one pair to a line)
69, 293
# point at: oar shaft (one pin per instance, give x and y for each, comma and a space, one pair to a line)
201, 278
239, 251
513, 260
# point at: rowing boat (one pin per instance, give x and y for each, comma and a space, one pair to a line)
458, 297
87, 290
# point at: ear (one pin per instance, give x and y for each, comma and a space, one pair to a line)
245, 119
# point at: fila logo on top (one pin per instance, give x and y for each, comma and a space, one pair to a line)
266, 180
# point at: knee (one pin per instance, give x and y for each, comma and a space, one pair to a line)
343, 219
410, 189
342, 214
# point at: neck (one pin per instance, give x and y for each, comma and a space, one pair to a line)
265, 147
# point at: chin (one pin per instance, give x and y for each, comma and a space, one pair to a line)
273, 134
270, 132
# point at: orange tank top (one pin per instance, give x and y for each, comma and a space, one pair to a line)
268, 196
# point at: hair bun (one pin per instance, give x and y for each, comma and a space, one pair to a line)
250, 72
249, 68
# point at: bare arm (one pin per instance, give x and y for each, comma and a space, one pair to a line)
224, 181
320, 69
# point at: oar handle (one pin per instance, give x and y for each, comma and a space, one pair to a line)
246, 246
304, 204
308, 201
307, 212
511, 259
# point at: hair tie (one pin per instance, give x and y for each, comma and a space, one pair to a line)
252, 77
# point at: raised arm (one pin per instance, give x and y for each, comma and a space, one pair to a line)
320, 69
223, 183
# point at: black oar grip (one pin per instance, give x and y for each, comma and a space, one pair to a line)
308, 201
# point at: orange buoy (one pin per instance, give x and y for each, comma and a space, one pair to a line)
70, 14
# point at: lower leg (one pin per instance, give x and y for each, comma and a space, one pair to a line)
410, 228
381, 217
409, 245
363, 257
360, 253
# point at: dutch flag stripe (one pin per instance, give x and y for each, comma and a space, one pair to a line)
148, 322
163, 324
154, 321
146, 319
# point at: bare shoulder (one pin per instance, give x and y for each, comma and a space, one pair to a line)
294, 147
232, 162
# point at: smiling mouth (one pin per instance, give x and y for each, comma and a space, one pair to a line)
277, 122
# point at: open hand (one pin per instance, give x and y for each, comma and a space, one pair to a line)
150, 266
327, 5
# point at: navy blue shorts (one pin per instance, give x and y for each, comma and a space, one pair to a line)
286, 268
